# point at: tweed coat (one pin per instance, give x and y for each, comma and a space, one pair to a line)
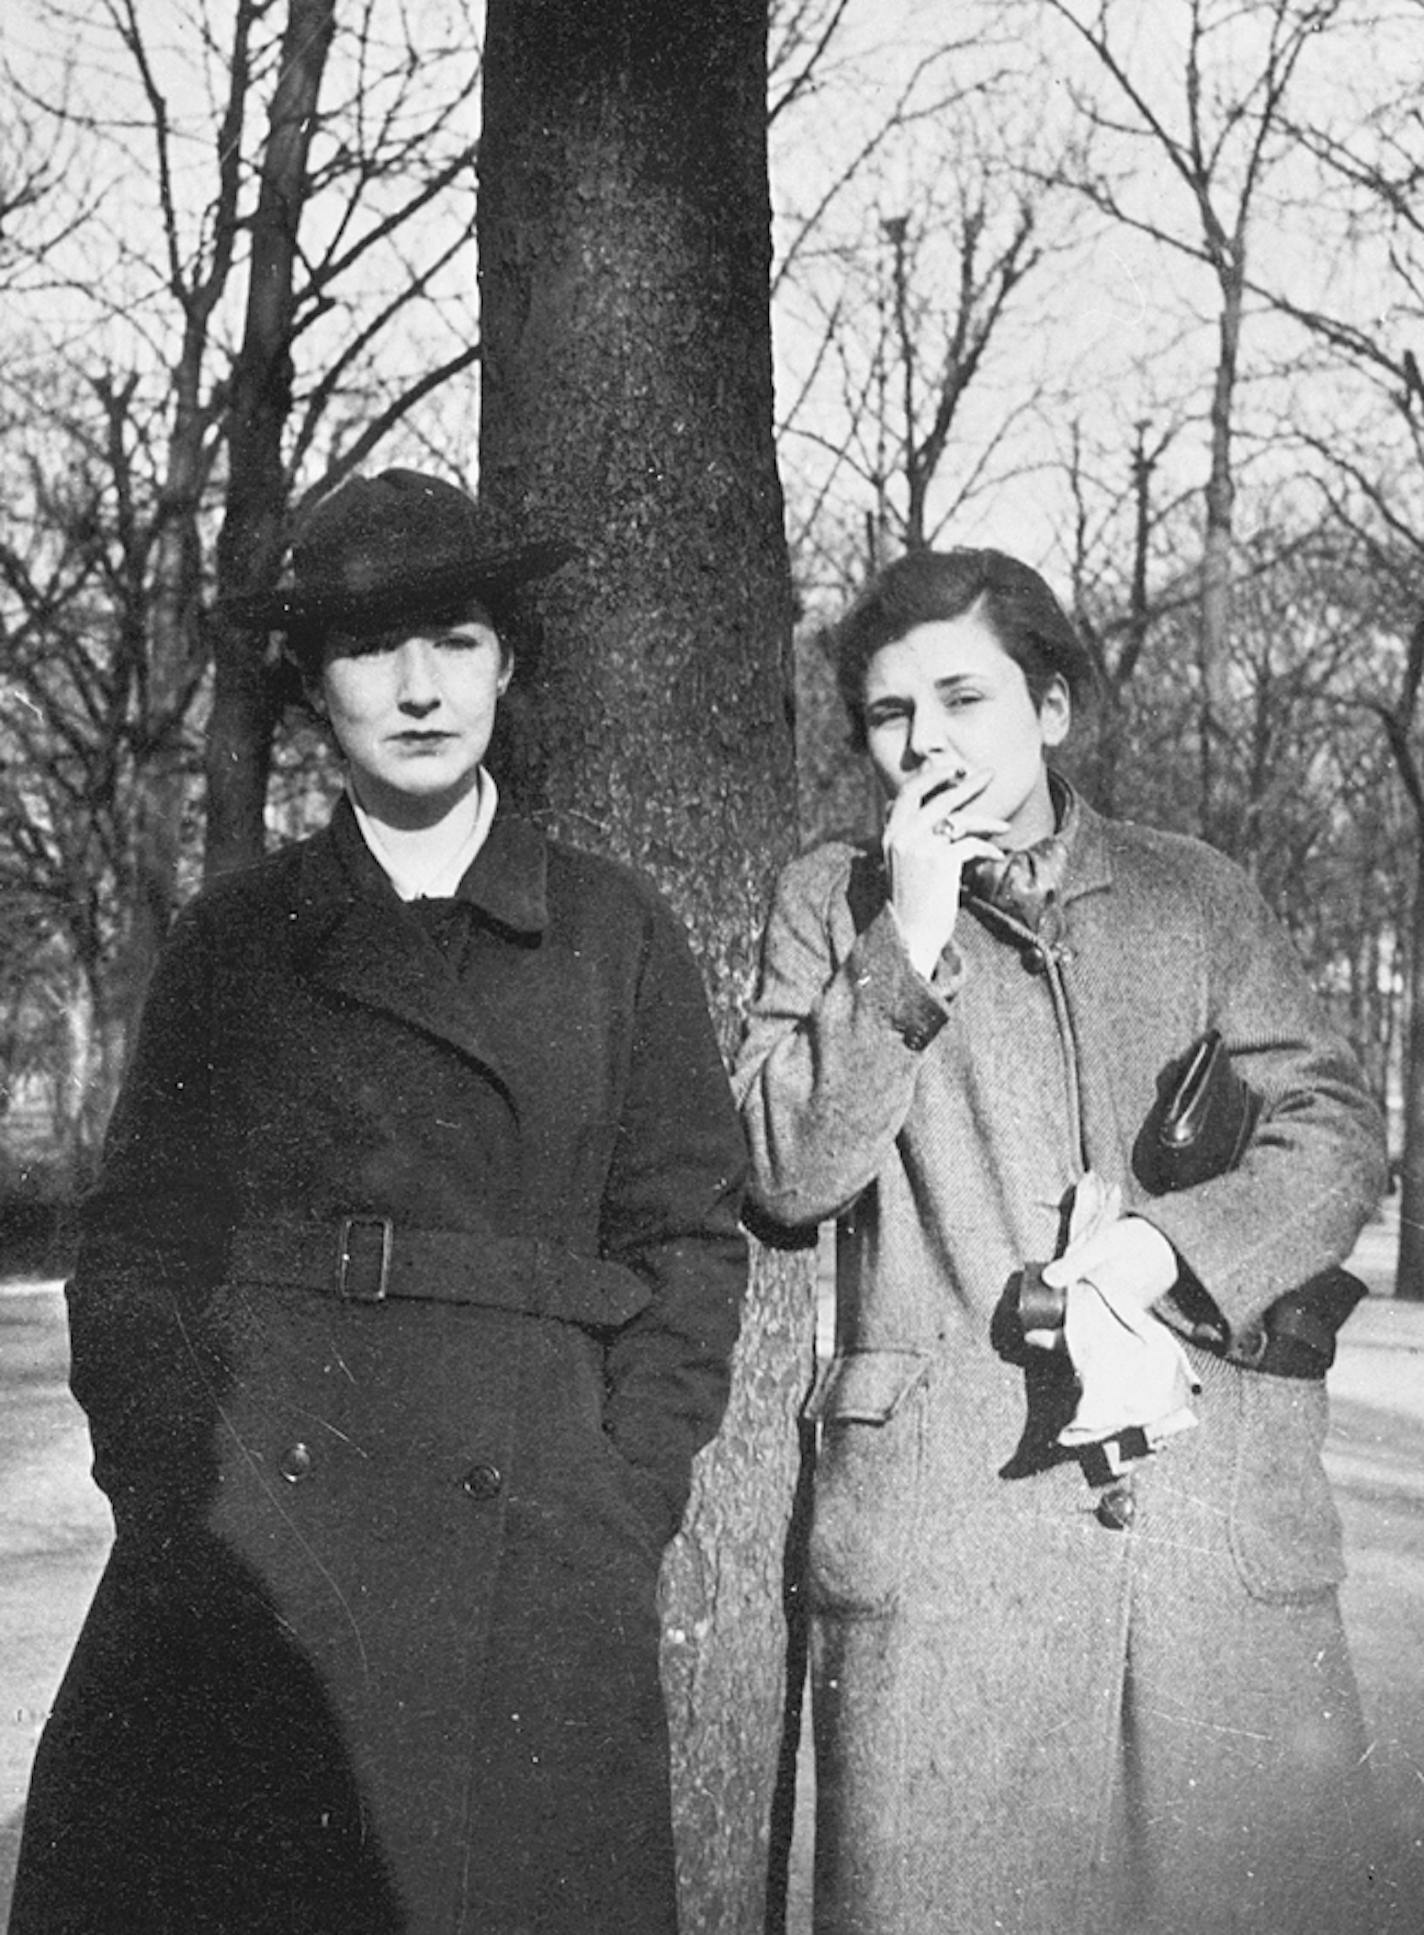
377, 1646
1043, 1703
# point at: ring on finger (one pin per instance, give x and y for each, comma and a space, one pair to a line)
947, 828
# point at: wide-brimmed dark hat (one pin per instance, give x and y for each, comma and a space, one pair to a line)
385, 549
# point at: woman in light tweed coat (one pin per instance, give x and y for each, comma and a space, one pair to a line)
1058, 1687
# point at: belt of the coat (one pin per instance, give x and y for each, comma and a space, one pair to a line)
370, 1259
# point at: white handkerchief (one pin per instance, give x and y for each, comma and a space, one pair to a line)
1131, 1370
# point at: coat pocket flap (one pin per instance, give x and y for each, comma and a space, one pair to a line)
866, 1386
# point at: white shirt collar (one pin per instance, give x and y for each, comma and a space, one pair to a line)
433, 867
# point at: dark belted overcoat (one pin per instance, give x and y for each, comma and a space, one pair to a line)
1043, 1702
377, 1645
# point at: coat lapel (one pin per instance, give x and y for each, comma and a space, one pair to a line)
355, 936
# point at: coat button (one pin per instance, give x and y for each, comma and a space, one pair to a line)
1117, 1508
482, 1481
296, 1463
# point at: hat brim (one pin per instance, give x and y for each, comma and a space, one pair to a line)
485, 580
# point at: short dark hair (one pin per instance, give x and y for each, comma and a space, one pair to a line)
307, 646
926, 586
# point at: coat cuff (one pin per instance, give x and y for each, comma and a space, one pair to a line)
912, 1007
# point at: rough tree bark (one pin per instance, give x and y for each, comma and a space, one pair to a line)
624, 260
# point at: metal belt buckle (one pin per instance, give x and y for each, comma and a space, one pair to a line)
354, 1280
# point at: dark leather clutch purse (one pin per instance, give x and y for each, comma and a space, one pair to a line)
1199, 1129
1201, 1124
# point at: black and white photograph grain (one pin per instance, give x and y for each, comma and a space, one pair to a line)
712, 967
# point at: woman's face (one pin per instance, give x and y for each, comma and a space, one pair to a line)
948, 694
413, 714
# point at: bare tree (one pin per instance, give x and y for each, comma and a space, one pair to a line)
1396, 569
916, 379
383, 184
944, 370
1219, 141
79, 717
263, 284
257, 404
1367, 452
817, 68
32, 164
1116, 606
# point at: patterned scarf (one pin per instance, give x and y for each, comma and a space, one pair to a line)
1023, 885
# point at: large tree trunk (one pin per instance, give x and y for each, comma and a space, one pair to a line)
624, 255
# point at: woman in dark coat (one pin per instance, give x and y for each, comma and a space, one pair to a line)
1078, 1660
405, 1297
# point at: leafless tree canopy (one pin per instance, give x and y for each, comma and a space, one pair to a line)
1139, 298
